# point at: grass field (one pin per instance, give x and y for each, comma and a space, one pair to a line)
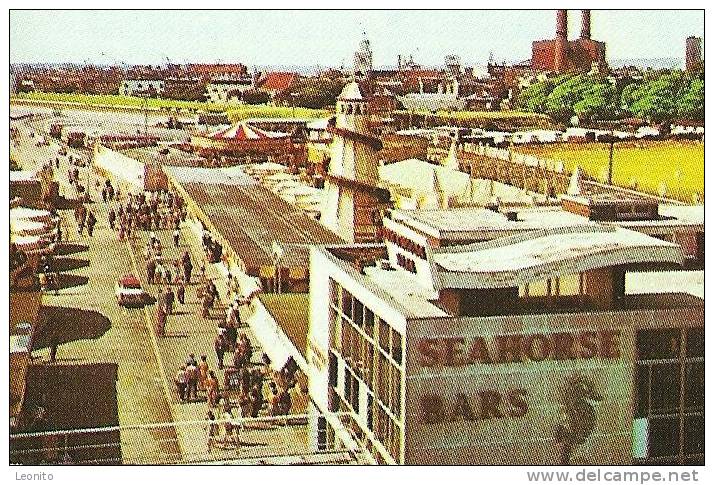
235, 112
678, 165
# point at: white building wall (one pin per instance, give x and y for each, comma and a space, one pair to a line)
130, 87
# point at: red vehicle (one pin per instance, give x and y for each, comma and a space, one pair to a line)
129, 292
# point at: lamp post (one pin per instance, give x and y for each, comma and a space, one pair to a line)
611, 140
609, 163
292, 99
278, 253
145, 107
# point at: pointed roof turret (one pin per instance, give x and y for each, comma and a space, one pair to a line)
451, 160
351, 92
575, 185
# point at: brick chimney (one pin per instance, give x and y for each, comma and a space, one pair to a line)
561, 24
585, 29
561, 40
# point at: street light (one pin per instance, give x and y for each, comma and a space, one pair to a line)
278, 253
145, 107
292, 99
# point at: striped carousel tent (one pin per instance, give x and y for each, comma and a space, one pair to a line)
243, 132
243, 139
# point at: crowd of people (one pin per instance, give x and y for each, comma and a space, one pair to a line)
159, 210
248, 389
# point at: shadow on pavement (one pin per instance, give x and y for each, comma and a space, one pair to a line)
65, 249
63, 203
73, 397
64, 324
69, 264
71, 280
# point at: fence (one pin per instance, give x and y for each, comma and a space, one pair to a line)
265, 439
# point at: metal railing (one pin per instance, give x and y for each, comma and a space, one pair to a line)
266, 439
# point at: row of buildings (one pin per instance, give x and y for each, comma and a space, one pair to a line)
218, 83
409, 85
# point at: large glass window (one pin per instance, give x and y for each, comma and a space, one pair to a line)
669, 392
372, 353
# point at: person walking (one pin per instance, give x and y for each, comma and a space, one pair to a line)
220, 346
112, 218
212, 389
212, 429
191, 382
150, 270
177, 236
206, 304
187, 270
180, 380
91, 221
181, 293
231, 336
228, 426
202, 373
169, 301
160, 320
256, 401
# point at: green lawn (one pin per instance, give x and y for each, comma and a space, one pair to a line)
678, 165
235, 112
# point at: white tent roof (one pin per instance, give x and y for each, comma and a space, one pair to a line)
351, 91
28, 213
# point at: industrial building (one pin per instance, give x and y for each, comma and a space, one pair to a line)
478, 353
562, 55
693, 54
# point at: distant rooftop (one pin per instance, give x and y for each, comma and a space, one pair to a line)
479, 223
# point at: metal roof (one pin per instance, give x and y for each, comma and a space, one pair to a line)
251, 217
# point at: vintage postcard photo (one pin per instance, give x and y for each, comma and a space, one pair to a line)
352, 237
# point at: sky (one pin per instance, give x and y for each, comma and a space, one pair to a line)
329, 38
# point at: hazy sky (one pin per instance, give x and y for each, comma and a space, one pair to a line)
329, 38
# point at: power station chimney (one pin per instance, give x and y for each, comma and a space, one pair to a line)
585, 30
561, 40
561, 24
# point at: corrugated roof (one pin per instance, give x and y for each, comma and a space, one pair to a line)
250, 218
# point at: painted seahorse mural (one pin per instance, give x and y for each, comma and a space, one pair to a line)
579, 399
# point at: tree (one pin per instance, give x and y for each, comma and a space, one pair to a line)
561, 101
656, 99
315, 93
659, 96
598, 102
534, 96
691, 103
255, 97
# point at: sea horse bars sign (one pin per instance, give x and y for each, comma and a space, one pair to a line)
502, 349
449, 352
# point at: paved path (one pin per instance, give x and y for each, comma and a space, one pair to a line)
147, 363
140, 386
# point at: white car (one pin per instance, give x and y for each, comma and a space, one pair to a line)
129, 292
